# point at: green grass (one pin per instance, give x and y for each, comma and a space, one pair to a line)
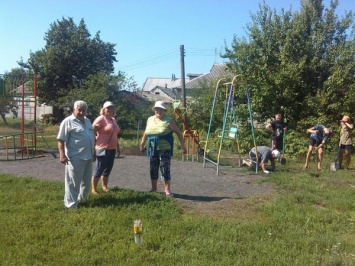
309, 221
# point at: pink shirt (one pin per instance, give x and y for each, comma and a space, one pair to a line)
107, 133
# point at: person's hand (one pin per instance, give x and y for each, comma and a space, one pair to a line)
63, 159
266, 171
143, 148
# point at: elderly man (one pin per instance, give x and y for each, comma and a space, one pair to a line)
76, 150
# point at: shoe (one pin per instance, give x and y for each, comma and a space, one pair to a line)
153, 190
305, 167
168, 192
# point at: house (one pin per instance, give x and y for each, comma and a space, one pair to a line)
25, 100
217, 71
170, 89
170, 83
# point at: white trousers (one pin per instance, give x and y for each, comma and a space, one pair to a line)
77, 182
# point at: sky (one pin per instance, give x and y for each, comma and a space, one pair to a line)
148, 33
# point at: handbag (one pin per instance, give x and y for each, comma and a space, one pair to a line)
102, 151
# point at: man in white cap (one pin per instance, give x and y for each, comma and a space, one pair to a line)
265, 154
318, 138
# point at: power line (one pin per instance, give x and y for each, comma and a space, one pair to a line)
152, 60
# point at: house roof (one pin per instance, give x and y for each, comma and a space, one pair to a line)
217, 71
151, 83
168, 92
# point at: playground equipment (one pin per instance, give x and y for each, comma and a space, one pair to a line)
17, 99
191, 137
230, 127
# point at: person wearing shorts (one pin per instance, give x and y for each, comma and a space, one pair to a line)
319, 136
345, 144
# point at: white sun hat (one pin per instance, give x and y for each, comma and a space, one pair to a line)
108, 104
276, 153
159, 104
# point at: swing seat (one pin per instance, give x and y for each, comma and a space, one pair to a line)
231, 133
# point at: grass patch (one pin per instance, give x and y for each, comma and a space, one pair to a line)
310, 221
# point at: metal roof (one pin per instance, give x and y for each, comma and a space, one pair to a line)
151, 83
217, 71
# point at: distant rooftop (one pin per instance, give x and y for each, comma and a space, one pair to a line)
151, 83
217, 71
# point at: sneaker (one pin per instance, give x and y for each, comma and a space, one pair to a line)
168, 192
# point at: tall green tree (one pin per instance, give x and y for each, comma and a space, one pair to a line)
298, 63
70, 57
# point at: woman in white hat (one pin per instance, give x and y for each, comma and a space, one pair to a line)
345, 144
160, 145
106, 129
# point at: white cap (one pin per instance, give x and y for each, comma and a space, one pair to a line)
159, 104
108, 104
276, 153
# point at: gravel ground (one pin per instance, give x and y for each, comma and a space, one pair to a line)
191, 183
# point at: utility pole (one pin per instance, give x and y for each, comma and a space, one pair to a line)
183, 90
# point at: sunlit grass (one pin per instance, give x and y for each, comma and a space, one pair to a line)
309, 221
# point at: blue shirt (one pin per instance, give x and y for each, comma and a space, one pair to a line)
320, 136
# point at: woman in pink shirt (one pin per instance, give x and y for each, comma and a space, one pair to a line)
106, 130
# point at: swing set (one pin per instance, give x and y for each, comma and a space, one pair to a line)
230, 127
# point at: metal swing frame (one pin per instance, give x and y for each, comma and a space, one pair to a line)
229, 130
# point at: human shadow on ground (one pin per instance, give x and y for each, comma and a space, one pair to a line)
113, 198
198, 198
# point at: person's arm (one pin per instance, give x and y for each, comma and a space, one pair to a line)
273, 164
269, 128
262, 164
350, 126
62, 157
118, 151
312, 130
177, 131
143, 141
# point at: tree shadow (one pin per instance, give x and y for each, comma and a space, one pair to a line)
198, 198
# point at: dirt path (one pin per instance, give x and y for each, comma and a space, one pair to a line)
193, 185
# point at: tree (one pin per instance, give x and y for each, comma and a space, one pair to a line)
298, 63
69, 59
